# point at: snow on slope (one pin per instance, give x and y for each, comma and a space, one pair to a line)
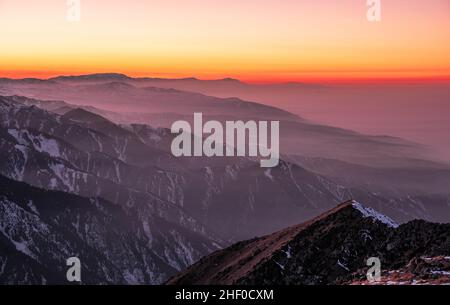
369, 212
38, 142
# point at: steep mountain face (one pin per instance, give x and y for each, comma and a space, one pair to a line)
55, 153
83, 153
40, 230
59, 153
330, 249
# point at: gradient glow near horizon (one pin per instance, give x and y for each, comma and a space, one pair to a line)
253, 40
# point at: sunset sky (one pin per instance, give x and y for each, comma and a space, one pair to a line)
252, 40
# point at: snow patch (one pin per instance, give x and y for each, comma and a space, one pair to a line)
155, 138
342, 265
39, 143
19, 169
32, 207
147, 231
279, 265
268, 174
439, 272
288, 253
371, 213
64, 175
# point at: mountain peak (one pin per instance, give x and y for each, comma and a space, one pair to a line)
82, 115
91, 77
229, 79
328, 249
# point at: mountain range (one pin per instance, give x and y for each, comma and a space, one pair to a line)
86, 170
126, 102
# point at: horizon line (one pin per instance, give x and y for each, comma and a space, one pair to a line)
263, 80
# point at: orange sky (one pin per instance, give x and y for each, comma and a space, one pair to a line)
253, 40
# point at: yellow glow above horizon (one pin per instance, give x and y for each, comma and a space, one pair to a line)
251, 40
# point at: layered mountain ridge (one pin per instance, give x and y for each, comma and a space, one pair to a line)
129, 100
85, 154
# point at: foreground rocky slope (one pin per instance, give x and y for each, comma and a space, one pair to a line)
330, 249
